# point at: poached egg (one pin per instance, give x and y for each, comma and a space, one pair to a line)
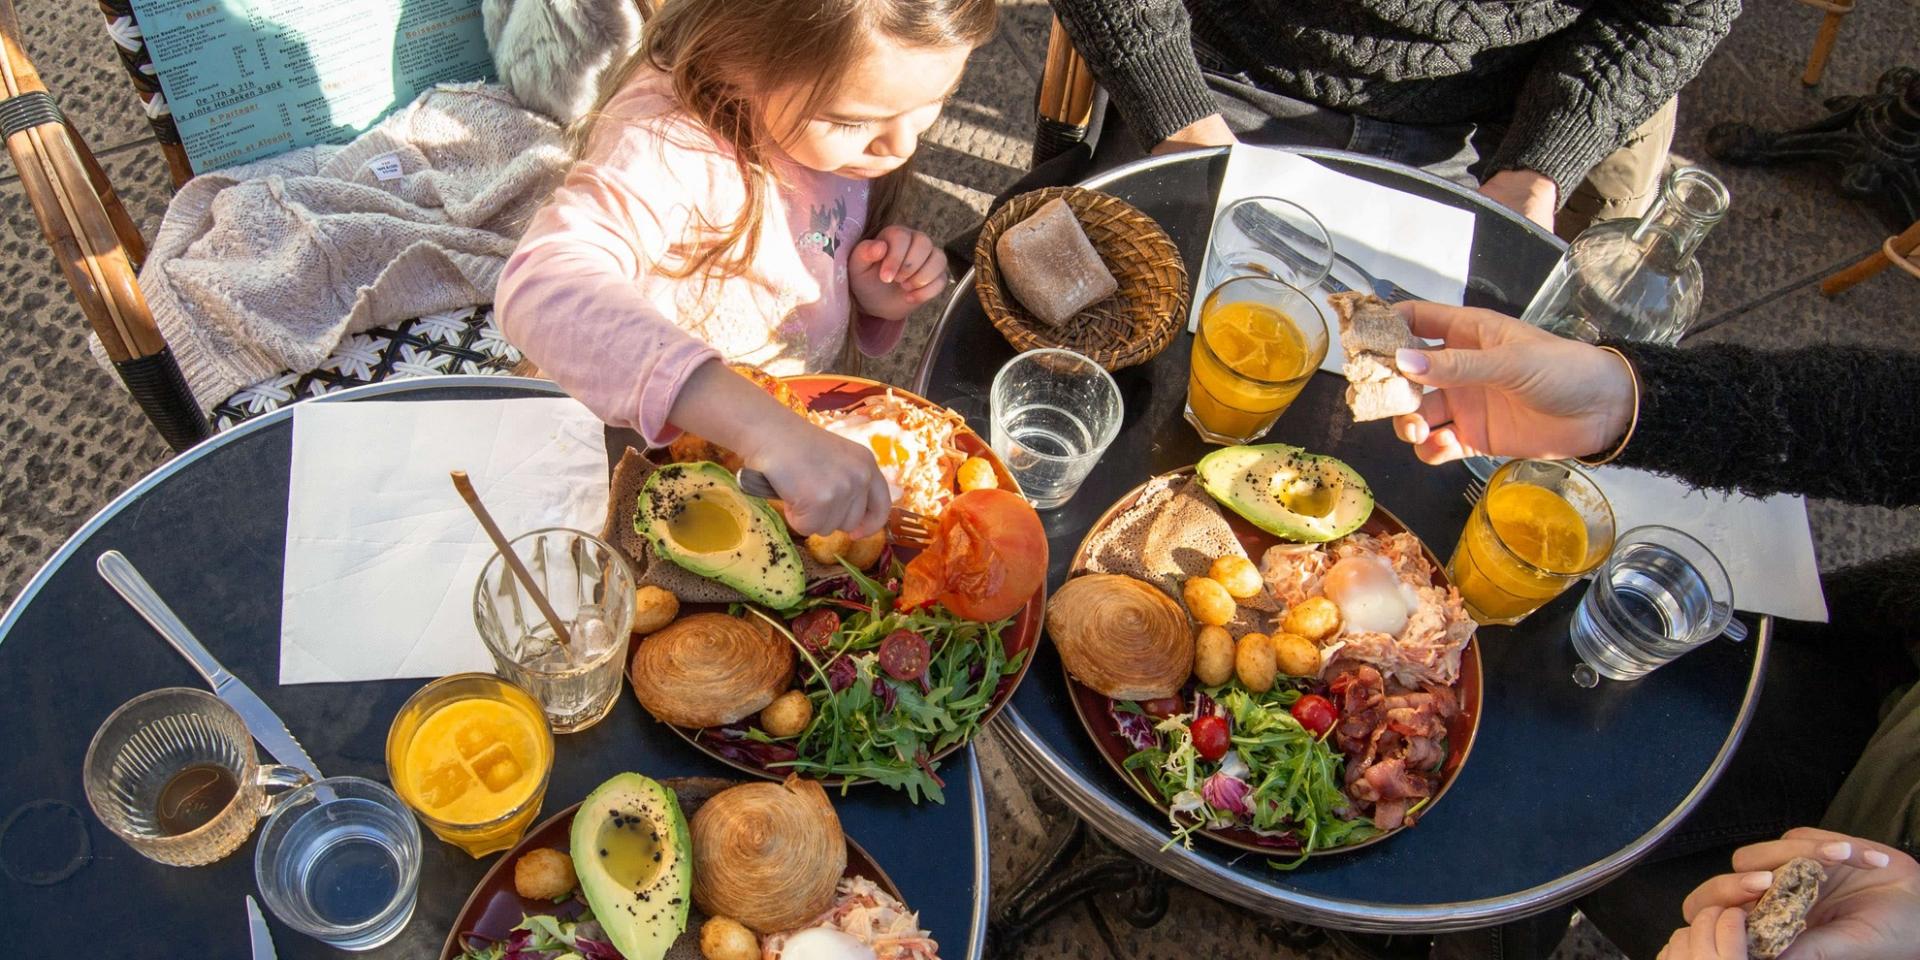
1370, 595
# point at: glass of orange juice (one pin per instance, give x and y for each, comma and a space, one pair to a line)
471, 753
1541, 525
1259, 341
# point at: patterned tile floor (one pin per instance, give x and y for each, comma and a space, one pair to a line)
72, 440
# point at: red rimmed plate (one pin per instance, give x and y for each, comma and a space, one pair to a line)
1097, 717
823, 392
494, 906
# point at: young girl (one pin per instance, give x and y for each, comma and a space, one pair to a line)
722, 209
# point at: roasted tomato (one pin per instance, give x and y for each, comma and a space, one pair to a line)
1210, 738
988, 556
1315, 713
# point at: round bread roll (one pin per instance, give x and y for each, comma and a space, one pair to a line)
767, 854
709, 670
1121, 636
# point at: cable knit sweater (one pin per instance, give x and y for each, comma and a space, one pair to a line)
1572, 77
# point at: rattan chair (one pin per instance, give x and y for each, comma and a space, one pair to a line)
100, 251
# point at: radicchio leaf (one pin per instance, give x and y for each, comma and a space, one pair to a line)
1228, 794
1136, 728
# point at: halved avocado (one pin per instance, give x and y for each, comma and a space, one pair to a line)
696, 515
630, 850
1288, 492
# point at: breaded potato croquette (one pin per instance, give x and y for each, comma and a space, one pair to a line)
543, 874
1238, 575
862, 553
724, 938
828, 548
1213, 655
1295, 655
1315, 618
1208, 601
653, 609
1253, 662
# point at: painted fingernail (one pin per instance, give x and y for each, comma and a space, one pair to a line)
1757, 882
1411, 361
1836, 850
1875, 858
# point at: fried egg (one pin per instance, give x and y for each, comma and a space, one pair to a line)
888, 441
1370, 595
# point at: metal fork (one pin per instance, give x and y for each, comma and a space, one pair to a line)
904, 526
1476, 488
1273, 231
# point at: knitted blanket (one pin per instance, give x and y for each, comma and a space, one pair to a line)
266, 267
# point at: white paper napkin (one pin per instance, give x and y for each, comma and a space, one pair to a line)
1766, 545
382, 554
1420, 244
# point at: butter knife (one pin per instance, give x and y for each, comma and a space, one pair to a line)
257, 932
262, 722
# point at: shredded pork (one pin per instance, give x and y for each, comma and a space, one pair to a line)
869, 914
1427, 650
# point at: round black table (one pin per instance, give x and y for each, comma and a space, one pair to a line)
1565, 787
207, 529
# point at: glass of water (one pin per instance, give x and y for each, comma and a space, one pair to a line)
340, 862
1268, 237
1052, 414
590, 587
1660, 594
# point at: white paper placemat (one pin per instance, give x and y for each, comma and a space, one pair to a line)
381, 552
1765, 544
1422, 245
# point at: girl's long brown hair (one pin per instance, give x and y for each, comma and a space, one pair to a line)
719, 53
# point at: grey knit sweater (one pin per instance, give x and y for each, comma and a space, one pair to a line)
1572, 77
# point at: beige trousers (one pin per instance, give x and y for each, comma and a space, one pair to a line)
1626, 181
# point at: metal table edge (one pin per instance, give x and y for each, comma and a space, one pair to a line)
977, 932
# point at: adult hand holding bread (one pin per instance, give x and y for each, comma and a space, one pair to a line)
1868, 908
1509, 389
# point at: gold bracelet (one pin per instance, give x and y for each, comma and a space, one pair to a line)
1634, 376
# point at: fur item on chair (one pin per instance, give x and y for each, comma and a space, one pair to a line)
551, 53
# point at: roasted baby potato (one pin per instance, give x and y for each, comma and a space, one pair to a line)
543, 874
976, 474
653, 608
1213, 656
724, 938
1295, 655
1208, 601
1316, 619
1238, 575
787, 715
1253, 662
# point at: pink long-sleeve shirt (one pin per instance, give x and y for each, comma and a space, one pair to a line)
584, 295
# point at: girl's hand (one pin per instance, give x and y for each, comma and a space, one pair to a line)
895, 272
1869, 908
825, 482
1509, 389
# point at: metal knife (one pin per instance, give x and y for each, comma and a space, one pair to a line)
1275, 231
265, 725
257, 932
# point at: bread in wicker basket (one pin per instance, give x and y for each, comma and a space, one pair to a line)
1130, 327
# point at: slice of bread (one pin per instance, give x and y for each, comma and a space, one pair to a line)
1781, 914
1370, 332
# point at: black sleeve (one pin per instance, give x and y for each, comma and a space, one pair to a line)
1835, 422
1597, 81
1142, 52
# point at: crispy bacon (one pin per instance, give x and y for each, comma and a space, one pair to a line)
1393, 738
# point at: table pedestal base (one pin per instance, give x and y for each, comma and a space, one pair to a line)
1875, 139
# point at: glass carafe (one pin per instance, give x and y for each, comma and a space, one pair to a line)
1635, 279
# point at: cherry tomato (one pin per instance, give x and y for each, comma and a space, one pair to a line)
1315, 713
1210, 737
1164, 707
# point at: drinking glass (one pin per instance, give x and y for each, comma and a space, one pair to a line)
1268, 237
1541, 525
340, 862
1661, 594
1053, 413
1259, 342
174, 774
590, 588
471, 753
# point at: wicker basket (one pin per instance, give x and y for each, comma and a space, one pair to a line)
1130, 327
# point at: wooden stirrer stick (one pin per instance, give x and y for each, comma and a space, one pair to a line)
472, 497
